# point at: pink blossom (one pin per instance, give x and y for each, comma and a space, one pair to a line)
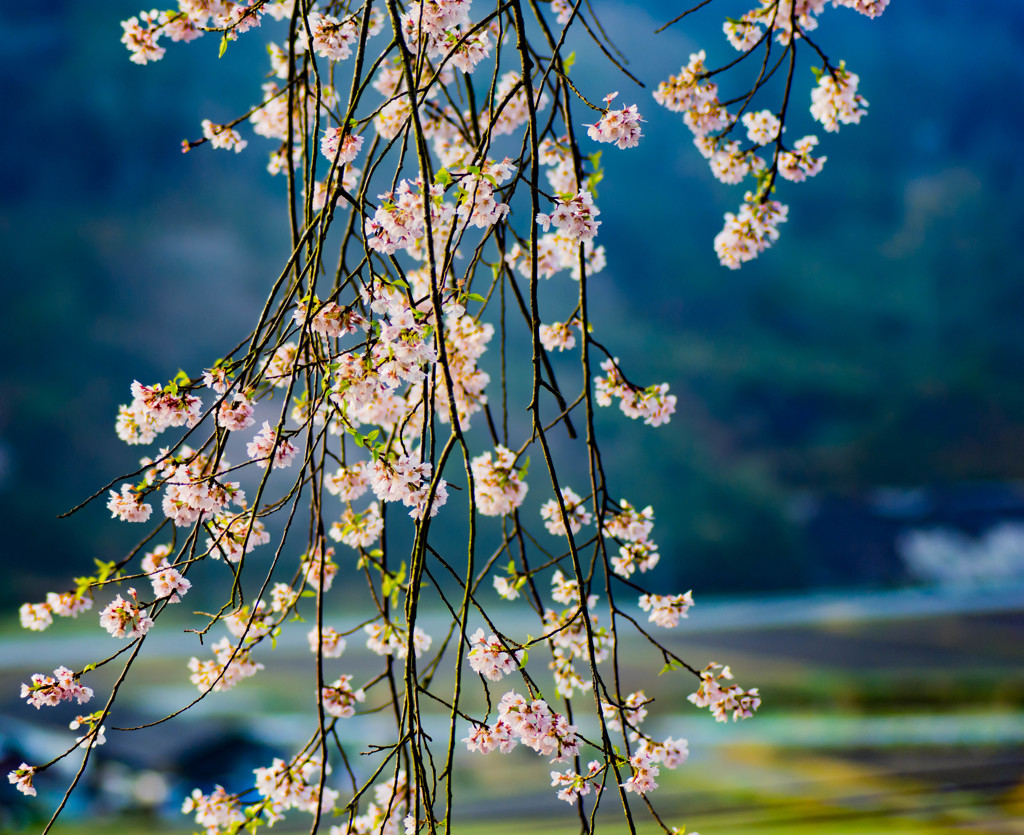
498, 486
267, 443
21, 777
222, 136
236, 414
489, 658
35, 616
575, 513
339, 699
125, 618
128, 506
666, 609
619, 126
63, 685
574, 216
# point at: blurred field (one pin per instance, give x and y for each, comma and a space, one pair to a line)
912, 726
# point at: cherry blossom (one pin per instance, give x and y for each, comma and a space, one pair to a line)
489, 657
128, 505
21, 777
574, 216
836, 101
339, 699
268, 446
619, 126
62, 686
232, 664
125, 618
575, 513
499, 487
222, 136
328, 640
35, 616
721, 697
666, 609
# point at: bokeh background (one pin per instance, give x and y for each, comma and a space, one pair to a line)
841, 484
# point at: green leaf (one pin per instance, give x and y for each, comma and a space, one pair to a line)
443, 177
476, 297
105, 569
524, 659
568, 62
223, 45
669, 666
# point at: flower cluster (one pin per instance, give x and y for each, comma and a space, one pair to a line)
21, 777
572, 786
836, 101
633, 708
232, 664
408, 481
567, 633
558, 336
387, 640
125, 618
339, 699
654, 404
328, 640
62, 686
358, 530
155, 408
169, 583
499, 486
574, 216
751, 232
294, 785
38, 616
217, 811
270, 447
532, 723
490, 658
222, 136
632, 529
619, 126
722, 697
128, 505
576, 513
644, 771
666, 609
